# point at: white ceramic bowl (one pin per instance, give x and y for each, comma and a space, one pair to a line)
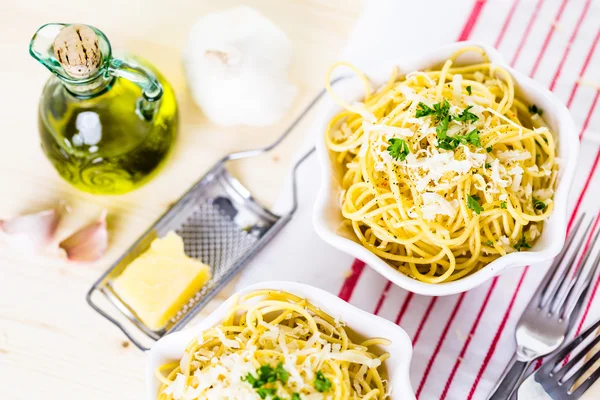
171, 347
327, 217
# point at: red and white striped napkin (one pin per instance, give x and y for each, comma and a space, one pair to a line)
461, 342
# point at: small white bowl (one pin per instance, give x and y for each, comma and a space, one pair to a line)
327, 217
365, 325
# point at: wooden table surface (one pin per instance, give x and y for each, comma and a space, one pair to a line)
52, 344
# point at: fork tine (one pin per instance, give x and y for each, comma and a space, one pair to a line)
581, 275
544, 285
585, 385
572, 307
553, 361
559, 375
582, 370
562, 281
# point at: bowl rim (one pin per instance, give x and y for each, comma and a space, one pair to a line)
567, 149
172, 346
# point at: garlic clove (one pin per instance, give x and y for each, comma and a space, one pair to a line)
38, 229
88, 243
237, 67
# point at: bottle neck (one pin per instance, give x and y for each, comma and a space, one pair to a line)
90, 89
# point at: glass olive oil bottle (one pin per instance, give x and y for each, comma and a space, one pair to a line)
106, 124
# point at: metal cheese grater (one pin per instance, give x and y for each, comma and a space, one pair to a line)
221, 224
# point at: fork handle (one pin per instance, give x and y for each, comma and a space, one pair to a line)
508, 382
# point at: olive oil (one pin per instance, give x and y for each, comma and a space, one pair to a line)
101, 145
107, 126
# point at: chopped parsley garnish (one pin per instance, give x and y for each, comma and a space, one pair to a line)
473, 204
538, 205
398, 149
440, 113
295, 396
488, 165
503, 205
442, 129
469, 89
281, 374
447, 144
489, 243
251, 380
452, 142
471, 137
488, 149
522, 244
264, 392
466, 116
266, 375
533, 109
423, 110
439, 110
321, 383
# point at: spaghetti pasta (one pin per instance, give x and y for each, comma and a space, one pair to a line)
443, 171
275, 345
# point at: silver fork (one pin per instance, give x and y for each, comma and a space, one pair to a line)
557, 379
551, 312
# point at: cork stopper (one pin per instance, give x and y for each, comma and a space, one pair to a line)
76, 49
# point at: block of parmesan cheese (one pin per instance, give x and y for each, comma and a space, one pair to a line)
158, 283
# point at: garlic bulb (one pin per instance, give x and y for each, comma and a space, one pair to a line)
236, 62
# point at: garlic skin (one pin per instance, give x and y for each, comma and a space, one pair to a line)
88, 243
236, 62
31, 230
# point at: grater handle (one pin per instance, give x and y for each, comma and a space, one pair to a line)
105, 314
295, 179
256, 152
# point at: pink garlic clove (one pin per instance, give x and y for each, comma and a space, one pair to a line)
88, 243
39, 228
